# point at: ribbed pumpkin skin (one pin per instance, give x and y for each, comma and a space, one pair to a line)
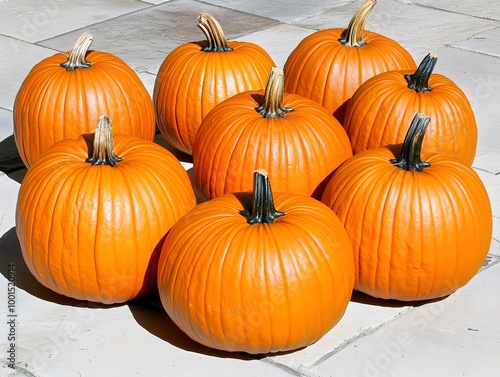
94, 232
299, 151
257, 288
380, 110
323, 69
416, 234
55, 104
190, 82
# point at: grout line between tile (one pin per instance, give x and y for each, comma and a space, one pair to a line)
361, 334
284, 368
473, 51
150, 6
485, 170
343, 344
446, 10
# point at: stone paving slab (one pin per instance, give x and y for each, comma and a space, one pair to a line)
6, 129
284, 11
35, 20
16, 61
8, 193
279, 41
64, 337
144, 38
484, 43
480, 9
450, 337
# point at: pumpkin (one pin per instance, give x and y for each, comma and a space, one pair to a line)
382, 107
297, 141
256, 272
196, 76
419, 229
329, 65
91, 228
64, 95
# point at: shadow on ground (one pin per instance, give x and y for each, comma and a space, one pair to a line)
363, 298
10, 161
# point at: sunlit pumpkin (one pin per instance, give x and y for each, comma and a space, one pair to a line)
297, 141
256, 272
91, 228
329, 65
196, 76
419, 229
381, 109
64, 95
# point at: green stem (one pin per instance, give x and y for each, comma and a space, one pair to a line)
273, 96
76, 57
103, 152
419, 81
409, 157
353, 35
216, 39
263, 210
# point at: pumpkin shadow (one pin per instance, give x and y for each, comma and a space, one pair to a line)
258, 98
150, 315
200, 198
363, 298
181, 156
10, 160
339, 113
11, 255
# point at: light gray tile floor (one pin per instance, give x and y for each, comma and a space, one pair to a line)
37, 20
455, 336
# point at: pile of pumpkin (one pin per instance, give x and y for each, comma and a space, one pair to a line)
362, 200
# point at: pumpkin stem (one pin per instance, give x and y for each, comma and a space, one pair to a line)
353, 35
76, 57
409, 158
103, 153
273, 96
216, 39
419, 81
263, 210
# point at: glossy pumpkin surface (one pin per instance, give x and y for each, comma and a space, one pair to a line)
418, 233
256, 283
94, 232
196, 76
381, 109
328, 68
56, 102
297, 141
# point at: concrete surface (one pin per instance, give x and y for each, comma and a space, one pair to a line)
57, 336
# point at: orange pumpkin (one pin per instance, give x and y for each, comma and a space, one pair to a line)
420, 229
256, 273
64, 96
329, 65
92, 228
380, 110
297, 141
196, 76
